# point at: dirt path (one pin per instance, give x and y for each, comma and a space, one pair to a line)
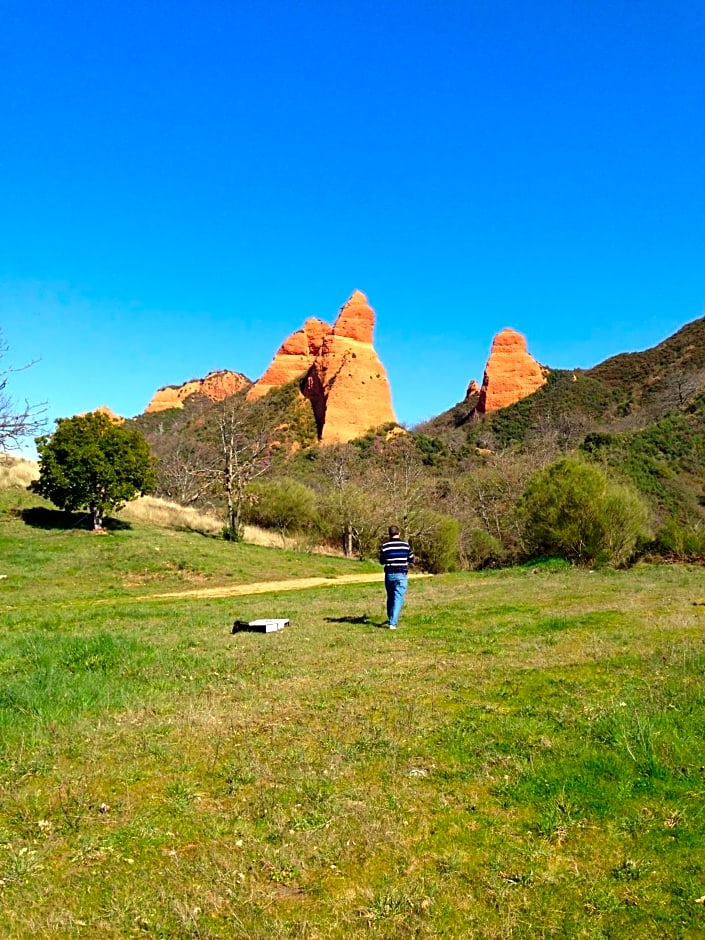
265, 587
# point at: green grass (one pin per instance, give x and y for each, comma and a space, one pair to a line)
523, 758
51, 557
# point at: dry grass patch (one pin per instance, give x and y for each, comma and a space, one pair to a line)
151, 510
16, 471
160, 512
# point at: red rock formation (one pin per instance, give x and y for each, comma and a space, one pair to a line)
511, 373
216, 386
220, 385
356, 319
341, 373
104, 410
293, 359
347, 383
473, 389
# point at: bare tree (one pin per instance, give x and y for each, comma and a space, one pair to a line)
245, 438
487, 496
16, 421
339, 465
404, 482
554, 434
185, 473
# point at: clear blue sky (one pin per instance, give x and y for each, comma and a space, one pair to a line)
182, 184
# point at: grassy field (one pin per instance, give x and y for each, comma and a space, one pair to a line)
523, 758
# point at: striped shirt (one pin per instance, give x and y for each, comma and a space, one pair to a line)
396, 556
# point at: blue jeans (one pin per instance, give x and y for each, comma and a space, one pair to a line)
395, 585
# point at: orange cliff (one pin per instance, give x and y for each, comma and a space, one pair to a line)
510, 374
108, 412
216, 386
348, 385
293, 358
342, 375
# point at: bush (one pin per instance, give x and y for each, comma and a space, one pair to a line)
483, 550
284, 505
682, 542
572, 510
624, 523
437, 545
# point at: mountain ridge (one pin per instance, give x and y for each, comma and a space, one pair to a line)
342, 378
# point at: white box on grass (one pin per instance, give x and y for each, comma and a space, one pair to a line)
264, 625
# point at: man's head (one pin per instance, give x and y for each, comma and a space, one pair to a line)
393, 531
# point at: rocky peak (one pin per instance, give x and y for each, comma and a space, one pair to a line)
293, 358
510, 374
108, 412
356, 319
338, 368
341, 373
347, 383
216, 386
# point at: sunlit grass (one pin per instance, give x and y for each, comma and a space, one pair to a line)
523, 758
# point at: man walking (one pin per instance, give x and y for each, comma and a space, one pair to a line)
396, 556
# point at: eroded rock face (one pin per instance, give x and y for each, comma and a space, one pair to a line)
216, 386
353, 380
356, 319
341, 373
293, 358
104, 410
511, 373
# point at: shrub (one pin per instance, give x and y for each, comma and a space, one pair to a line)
282, 504
680, 541
572, 510
482, 550
437, 545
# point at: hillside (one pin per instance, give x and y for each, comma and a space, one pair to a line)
283, 414
624, 393
639, 416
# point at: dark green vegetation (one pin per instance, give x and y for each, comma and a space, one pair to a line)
524, 758
571, 510
91, 463
461, 487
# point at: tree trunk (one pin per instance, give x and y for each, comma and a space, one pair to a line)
237, 518
232, 516
348, 540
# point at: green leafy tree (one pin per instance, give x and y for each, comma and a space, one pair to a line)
91, 463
